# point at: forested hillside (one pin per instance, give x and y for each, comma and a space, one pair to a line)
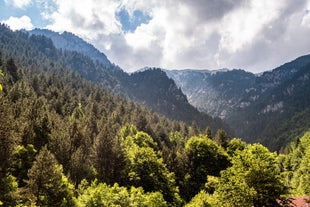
70, 42
151, 87
66, 141
217, 93
271, 108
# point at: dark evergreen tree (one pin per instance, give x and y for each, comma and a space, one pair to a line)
47, 185
12, 70
208, 133
221, 138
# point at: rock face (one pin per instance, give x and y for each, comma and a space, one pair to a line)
217, 93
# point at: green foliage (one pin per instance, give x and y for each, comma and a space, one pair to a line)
208, 132
297, 167
205, 158
9, 138
22, 160
9, 190
202, 199
89, 133
47, 185
301, 177
12, 70
1, 74
234, 146
254, 179
141, 139
221, 138
78, 112
100, 194
146, 168
108, 157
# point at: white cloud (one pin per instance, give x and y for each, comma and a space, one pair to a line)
244, 25
18, 3
250, 34
89, 19
306, 18
16, 23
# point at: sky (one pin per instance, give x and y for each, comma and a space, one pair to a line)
254, 35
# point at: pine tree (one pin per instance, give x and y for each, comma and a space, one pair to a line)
221, 138
47, 185
208, 132
12, 70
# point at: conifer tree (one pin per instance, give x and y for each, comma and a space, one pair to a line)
47, 185
12, 70
221, 138
208, 132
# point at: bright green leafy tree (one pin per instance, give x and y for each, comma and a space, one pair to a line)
205, 158
234, 146
100, 194
254, 179
298, 166
202, 199
145, 165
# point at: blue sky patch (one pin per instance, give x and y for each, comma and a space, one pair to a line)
129, 24
33, 11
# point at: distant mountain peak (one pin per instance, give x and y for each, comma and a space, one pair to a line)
69, 41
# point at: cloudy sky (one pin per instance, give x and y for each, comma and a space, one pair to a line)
255, 35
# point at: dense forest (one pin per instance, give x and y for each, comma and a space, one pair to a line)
66, 141
152, 88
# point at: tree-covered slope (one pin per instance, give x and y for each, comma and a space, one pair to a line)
217, 93
281, 113
70, 42
271, 108
66, 141
153, 88
110, 77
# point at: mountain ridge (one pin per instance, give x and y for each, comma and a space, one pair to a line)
249, 103
113, 79
244, 99
69, 41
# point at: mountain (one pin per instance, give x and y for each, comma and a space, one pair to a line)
162, 97
71, 42
153, 88
214, 92
281, 109
271, 108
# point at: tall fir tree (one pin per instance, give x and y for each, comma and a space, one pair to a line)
47, 185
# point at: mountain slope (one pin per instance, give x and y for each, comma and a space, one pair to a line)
153, 88
217, 93
271, 108
282, 111
71, 42
112, 78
